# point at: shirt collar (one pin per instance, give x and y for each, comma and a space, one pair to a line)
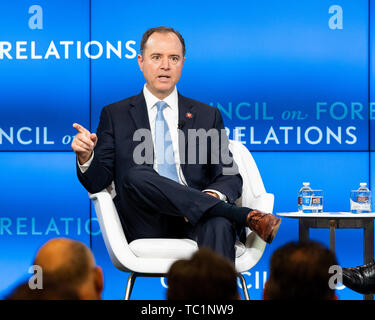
171, 100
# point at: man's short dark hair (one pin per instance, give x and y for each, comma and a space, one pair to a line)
161, 29
299, 270
206, 276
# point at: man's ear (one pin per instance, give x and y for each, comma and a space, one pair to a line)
140, 62
98, 280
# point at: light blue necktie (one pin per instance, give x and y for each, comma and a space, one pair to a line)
163, 145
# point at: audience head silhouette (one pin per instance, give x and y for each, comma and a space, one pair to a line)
206, 276
51, 290
71, 262
299, 270
69, 272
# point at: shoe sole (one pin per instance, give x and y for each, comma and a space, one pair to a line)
274, 231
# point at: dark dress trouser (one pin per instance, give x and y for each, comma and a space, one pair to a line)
153, 206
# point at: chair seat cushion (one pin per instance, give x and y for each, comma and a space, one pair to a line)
170, 248
163, 248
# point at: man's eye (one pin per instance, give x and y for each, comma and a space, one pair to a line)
156, 57
175, 59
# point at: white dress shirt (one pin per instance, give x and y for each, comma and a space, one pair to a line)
170, 113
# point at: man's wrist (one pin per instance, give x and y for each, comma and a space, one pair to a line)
85, 165
83, 160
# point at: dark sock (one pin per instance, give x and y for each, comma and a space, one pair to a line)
229, 211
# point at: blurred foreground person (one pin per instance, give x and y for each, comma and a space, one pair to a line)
51, 291
205, 276
69, 273
299, 270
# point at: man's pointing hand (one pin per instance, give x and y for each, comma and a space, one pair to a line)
83, 143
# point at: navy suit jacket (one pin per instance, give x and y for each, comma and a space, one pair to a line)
113, 154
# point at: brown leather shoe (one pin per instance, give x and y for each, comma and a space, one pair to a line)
265, 225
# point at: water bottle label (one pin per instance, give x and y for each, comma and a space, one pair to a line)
362, 199
312, 204
316, 200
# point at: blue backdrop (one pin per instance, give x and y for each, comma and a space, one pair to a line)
294, 81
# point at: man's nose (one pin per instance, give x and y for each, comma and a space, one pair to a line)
164, 63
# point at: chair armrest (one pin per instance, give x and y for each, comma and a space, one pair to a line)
111, 228
263, 202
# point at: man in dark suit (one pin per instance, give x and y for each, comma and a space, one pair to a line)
144, 143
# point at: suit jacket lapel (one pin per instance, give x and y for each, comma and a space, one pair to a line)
138, 111
186, 120
186, 115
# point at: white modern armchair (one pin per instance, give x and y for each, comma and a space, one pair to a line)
153, 257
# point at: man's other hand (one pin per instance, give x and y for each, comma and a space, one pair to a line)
83, 143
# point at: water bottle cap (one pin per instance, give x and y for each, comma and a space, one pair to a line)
363, 184
306, 183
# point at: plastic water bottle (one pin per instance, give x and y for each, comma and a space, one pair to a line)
304, 192
360, 200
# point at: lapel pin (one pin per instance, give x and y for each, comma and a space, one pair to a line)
189, 115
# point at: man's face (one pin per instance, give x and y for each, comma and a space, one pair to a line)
162, 63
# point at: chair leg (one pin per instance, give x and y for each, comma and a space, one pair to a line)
244, 287
129, 285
